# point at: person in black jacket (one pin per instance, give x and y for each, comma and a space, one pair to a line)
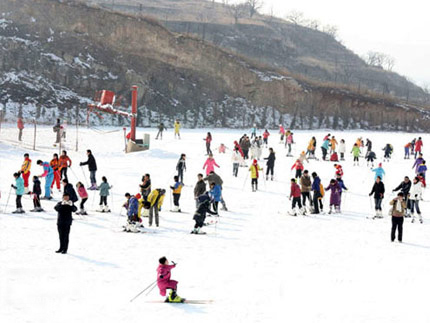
92, 167
181, 167
405, 187
378, 190
203, 207
200, 187
64, 221
145, 187
70, 190
270, 163
37, 191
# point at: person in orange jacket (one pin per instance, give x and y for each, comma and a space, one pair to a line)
20, 125
298, 165
25, 171
64, 163
55, 163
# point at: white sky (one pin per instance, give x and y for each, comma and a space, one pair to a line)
400, 29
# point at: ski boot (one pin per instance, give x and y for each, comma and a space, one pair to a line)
106, 209
18, 211
174, 298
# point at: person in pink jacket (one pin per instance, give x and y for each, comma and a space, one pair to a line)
209, 164
164, 282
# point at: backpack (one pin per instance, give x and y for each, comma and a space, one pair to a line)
322, 190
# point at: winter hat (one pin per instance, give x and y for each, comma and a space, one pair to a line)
380, 164
138, 196
254, 162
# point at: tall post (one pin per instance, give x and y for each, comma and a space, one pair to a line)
34, 136
133, 112
77, 127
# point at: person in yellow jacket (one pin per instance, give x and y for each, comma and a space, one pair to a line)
154, 203
254, 169
176, 188
25, 171
177, 127
333, 144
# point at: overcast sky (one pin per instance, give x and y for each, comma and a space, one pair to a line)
400, 29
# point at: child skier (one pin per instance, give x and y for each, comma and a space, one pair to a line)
370, 157
132, 207
215, 194
203, 206
342, 149
25, 171
289, 141
237, 159
208, 141
19, 189
298, 165
221, 149
210, 164
82, 192
254, 169
407, 148
153, 204
356, 153
270, 163
388, 150
397, 214
335, 191
55, 164
422, 169
379, 172
164, 282
181, 167
378, 190
104, 193
36, 192
415, 197
295, 193
48, 173
339, 170
266, 135
176, 188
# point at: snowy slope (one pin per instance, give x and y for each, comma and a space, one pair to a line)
258, 264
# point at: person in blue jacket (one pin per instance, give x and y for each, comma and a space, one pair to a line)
19, 188
317, 192
215, 193
325, 147
48, 173
132, 206
422, 169
379, 172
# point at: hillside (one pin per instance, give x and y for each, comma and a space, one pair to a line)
272, 41
57, 54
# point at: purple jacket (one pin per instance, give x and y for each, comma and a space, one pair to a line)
335, 191
417, 164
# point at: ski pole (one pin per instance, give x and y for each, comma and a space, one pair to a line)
244, 182
144, 290
86, 182
74, 174
153, 286
170, 199
8, 197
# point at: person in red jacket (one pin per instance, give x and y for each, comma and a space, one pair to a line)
20, 125
418, 146
296, 194
64, 163
164, 282
55, 163
236, 145
298, 165
339, 170
266, 135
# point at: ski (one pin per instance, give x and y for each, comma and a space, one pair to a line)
179, 212
186, 301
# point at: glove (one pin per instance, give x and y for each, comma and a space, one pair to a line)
80, 164
370, 194
173, 262
13, 186
161, 276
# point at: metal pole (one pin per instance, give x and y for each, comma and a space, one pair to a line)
134, 112
34, 136
77, 127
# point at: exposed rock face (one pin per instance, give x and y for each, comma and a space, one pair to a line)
56, 55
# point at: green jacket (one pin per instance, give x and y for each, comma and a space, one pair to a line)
355, 151
104, 189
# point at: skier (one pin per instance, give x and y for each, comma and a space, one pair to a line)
418, 146
339, 170
397, 214
324, 148
92, 167
306, 186
200, 187
64, 221
310, 151
19, 191
48, 173
145, 187
342, 149
418, 162
164, 282
408, 146
181, 167
104, 193
298, 165
210, 164
63, 130
57, 130
317, 193
236, 158
215, 194
36, 192
370, 157
161, 128
54, 163
266, 135
333, 143
335, 199
270, 163
405, 187
254, 131
68, 188
281, 133
415, 197
245, 145
413, 146
208, 141
131, 205
177, 127
368, 145
221, 148
379, 172
215, 178
20, 125
176, 191
254, 169
289, 141
388, 150
153, 204
342, 188
356, 153
203, 203
64, 163
237, 146
25, 171
295, 193
378, 190
422, 169
259, 144
327, 137
82, 192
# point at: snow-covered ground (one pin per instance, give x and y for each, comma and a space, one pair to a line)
258, 264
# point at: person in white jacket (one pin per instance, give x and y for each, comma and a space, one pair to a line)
415, 197
342, 149
236, 158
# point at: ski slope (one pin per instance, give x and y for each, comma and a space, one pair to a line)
258, 264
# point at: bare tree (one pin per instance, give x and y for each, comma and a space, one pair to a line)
313, 24
380, 60
330, 30
238, 11
296, 17
389, 63
254, 6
